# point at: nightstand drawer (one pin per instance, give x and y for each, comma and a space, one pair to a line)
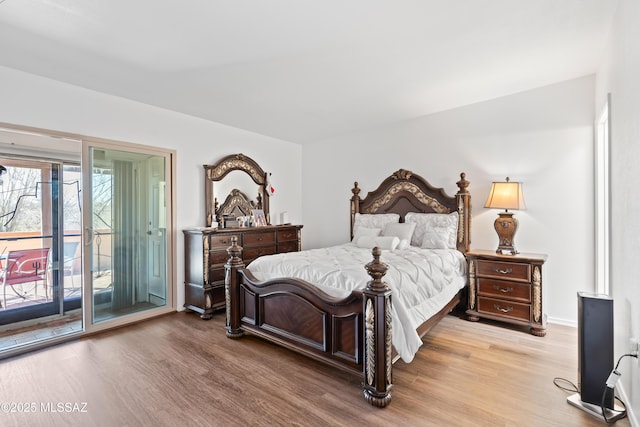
504, 308
504, 270
258, 238
504, 289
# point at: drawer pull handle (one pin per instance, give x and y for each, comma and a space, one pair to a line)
504, 310
507, 271
503, 290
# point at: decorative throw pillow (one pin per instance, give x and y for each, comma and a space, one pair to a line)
365, 231
383, 242
404, 231
434, 231
373, 221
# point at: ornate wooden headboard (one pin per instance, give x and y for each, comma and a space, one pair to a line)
238, 204
404, 192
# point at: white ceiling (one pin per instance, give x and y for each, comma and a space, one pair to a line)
304, 70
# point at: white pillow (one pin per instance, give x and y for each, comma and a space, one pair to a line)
404, 231
373, 221
404, 244
434, 231
436, 240
365, 231
383, 242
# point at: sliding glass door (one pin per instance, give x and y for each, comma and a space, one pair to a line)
125, 236
39, 239
86, 235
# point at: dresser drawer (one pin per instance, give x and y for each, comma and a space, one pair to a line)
504, 308
223, 241
288, 247
517, 271
249, 254
218, 297
216, 274
504, 289
218, 257
257, 238
288, 234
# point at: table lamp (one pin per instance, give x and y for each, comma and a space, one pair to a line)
506, 195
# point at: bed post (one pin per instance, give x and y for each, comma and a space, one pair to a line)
355, 205
377, 334
463, 198
232, 289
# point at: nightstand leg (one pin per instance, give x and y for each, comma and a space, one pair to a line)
538, 331
472, 317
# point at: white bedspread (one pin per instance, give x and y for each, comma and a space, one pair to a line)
422, 281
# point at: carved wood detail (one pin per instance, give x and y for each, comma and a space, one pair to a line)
218, 171
238, 200
232, 289
392, 192
537, 294
370, 342
472, 284
388, 344
236, 162
402, 174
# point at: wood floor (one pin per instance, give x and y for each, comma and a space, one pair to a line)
180, 370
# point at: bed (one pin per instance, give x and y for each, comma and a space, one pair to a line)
354, 328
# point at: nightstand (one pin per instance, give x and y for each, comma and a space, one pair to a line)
507, 288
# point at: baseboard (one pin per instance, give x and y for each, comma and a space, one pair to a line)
631, 415
563, 322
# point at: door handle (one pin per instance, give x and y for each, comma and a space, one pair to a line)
88, 236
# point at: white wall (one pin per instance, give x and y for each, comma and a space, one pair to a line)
619, 75
35, 101
542, 137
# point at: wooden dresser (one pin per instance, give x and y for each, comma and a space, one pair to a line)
507, 288
205, 255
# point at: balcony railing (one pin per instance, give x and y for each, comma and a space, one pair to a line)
40, 291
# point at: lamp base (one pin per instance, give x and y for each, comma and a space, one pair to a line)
506, 226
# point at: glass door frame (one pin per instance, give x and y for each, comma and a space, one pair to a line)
87, 241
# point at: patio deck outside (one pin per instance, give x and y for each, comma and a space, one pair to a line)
72, 264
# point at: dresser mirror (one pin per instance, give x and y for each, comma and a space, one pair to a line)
233, 187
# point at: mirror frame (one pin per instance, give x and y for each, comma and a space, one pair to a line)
219, 170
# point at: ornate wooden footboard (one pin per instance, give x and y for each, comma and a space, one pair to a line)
353, 333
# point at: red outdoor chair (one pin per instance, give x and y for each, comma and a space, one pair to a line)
22, 271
